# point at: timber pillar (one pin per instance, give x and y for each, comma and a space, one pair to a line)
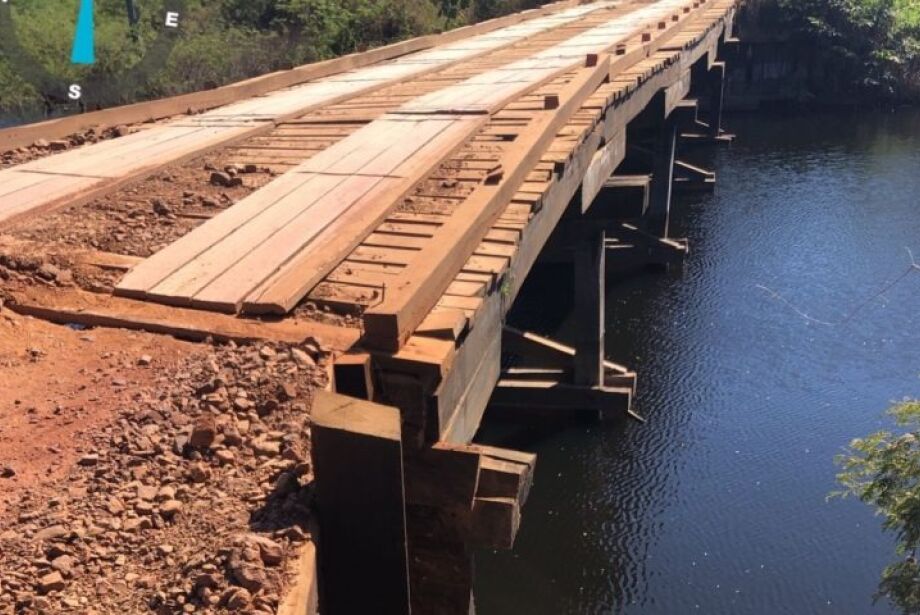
547, 378
590, 276
400, 510
716, 79
363, 563
657, 217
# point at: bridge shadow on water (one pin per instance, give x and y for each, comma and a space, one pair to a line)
718, 504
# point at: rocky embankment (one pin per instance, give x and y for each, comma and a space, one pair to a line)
194, 499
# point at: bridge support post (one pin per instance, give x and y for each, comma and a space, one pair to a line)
358, 464
590, 276
716, 79
555, 381
659, 209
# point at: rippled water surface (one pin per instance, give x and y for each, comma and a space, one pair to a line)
718, 503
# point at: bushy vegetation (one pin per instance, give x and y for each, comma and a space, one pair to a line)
221, 40
883, 470
875, 44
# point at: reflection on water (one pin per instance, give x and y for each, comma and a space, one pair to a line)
718, 504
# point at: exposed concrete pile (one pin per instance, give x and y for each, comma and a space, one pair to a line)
192, 501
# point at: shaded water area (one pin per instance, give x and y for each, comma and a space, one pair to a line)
718, 503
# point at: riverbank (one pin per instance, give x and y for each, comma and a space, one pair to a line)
718, 503
825, 55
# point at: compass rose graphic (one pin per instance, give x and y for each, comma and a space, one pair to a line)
153, 27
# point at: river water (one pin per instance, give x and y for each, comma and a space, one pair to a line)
718, 504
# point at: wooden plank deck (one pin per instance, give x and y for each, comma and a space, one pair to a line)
266, 253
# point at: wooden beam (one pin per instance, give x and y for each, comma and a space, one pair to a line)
658, 216
302, 597
556, 396
462, 396
358, 464
389, 324
495, 522
505, 473
441, 484
92, 310
602, 166
716, 84
590, 276
546, 351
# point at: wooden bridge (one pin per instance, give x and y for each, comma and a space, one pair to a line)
414, 188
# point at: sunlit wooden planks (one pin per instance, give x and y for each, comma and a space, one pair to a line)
269, 254
280, 292
220, 263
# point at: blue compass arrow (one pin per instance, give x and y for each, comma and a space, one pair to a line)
84, 44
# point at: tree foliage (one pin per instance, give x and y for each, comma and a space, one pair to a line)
876, 43
883, 470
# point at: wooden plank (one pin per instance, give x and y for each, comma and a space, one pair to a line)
241, 245
157, 268
389, 324
92, 310
443, 323
303, 596
285, 287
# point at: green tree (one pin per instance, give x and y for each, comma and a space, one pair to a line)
883, 470
874, 44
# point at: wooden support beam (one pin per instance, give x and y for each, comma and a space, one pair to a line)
495, 522
533, 348
632, 247
505, 473
659, 211
557, 397
623, 197
461, 398
92, 310
590, 259
441, 485
690, 177
358, 463
716, 96
602, 166
407, 303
